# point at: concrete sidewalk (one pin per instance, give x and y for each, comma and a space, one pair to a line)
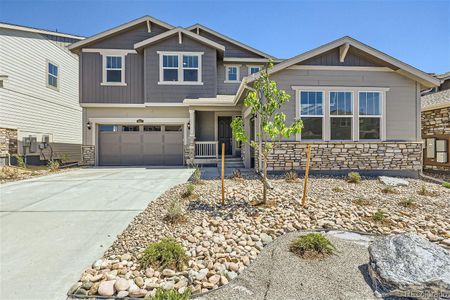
53, 227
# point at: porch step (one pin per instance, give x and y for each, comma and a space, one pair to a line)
232, 163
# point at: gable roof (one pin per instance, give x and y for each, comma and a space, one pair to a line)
178, 30
228, 39
118, 29
436, 100
40, 31
409, 71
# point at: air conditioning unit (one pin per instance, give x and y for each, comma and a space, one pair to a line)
441, 157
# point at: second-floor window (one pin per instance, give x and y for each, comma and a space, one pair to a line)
253, 69
232, 73
114, 70
180, 68
52, 75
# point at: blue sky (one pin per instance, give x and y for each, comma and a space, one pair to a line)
416, 32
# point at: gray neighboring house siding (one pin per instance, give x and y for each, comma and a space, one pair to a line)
177, 93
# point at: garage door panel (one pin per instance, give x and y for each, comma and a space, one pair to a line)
149, 146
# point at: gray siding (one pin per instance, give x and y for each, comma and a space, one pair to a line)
91, 77
401, 102
231, 50
230, 88
127, 39
204, 126
331, 58
177, 93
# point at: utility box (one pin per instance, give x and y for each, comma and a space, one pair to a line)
441, 146
431, 148
33, 144
441, 157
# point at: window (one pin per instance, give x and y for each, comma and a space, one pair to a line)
190, 68
52, 75
113, 73
341, 115
311, 113
173, 128
130, 128
180, 68
152, 128
253, 69
108, 128
369, 115
232, 74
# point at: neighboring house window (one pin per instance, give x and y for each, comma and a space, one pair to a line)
113, 70
311, 113
180, 68
253, 69
341, 115
52, 75
231, 73
369, 115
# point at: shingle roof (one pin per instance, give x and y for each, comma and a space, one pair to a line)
435, 100
443, 76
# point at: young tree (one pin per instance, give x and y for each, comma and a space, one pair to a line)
265, 101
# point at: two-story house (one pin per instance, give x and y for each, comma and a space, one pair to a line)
154, 94
40, 117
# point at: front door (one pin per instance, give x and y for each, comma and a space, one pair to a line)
225, 134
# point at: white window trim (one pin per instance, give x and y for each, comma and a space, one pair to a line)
253, 66
238, 74
352, 116
299, 115
326, 130
180, 68
56, 88
381, 116
104, 77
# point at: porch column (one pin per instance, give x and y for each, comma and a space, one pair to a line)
192, 122
190, 147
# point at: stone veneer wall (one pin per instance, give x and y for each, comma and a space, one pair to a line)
436, 121
346, 156
88, 155
8, 143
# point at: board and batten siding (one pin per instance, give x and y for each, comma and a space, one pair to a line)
173, 93
91, 78
27, 104
402, 100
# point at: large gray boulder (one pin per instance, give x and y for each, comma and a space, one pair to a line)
393, 181
406, 265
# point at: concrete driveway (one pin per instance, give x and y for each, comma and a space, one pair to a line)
53, 227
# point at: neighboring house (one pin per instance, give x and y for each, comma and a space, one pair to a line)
39, 109
436, 127
154, 94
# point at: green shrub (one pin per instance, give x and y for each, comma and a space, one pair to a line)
291, 176
189, 190
170, 295
338, 189
424, 192
389, 190
53, 165
20, 161
312, 245
167, 253
64, 157
175, 212
408, 202
446, 184
378, 216
196, 176
361, 201
354, 177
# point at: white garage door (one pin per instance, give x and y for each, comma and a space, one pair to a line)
132, 145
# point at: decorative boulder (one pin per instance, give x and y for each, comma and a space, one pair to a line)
392, 181
407, 265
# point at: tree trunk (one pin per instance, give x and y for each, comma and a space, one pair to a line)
264, 180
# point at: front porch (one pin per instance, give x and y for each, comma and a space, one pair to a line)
208, 131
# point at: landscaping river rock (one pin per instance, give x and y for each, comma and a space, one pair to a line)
222, 241
407, 265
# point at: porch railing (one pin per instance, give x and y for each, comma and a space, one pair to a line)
208, 149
